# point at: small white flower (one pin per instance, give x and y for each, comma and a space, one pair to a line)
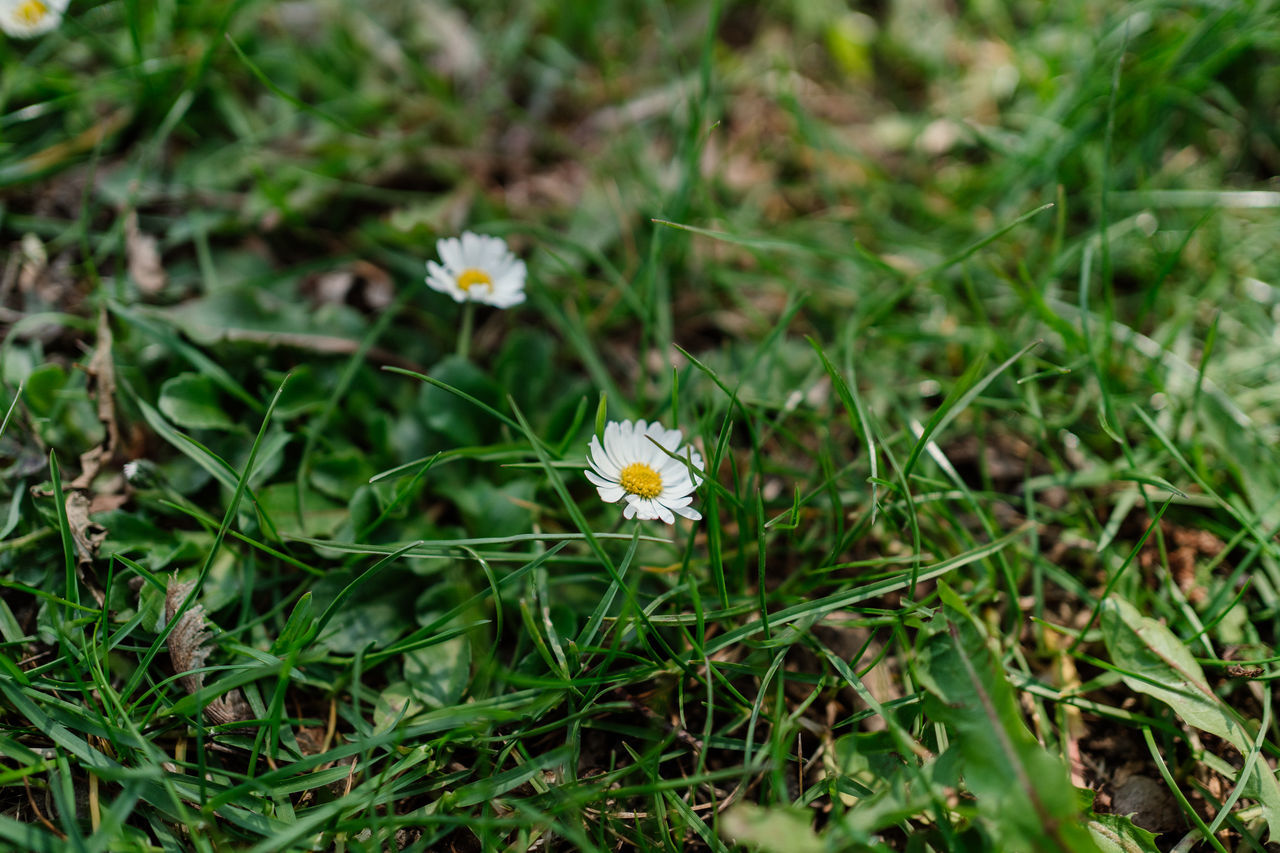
29, 18
478, 268
131, 470
629, 465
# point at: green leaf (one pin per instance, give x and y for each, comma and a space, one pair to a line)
42, 388
1023, 792
362, 625
497, 511
1152, 660
1116, 834
340, 473
602, 416
191, 400
455, 414
321, 516
297, 631
777, 829
439, 674
394, 704
525, 367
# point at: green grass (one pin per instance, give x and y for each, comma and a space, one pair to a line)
972, 313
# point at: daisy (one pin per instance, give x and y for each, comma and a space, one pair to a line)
478, 269
29, 18
630, 465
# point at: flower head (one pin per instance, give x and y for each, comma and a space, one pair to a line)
477, 268
630, 465
29, 18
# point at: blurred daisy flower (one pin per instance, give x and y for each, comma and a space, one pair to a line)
26, 19
629, 465
477, 268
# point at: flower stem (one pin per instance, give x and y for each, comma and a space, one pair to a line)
464, 335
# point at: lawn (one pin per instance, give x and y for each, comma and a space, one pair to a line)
345, 346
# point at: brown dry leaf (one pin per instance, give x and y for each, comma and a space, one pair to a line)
1185, 547
143, 255
88, 534
34, 260
102, 373
188, 650
358, 283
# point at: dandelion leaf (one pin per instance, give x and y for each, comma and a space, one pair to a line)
1022, 791
1152, 660
775, 829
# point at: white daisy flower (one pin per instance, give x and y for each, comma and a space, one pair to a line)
629, 465
26, 19
478, 268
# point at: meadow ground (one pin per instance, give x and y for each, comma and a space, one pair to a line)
969, 310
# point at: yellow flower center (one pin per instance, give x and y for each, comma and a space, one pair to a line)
32, 12
469, 278
639, 479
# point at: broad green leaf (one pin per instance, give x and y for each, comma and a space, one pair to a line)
43, 386
525, 367
775, 829
1152, 660
901, 793
439, 674
498, 511
1023, 792
362, 625
1117, 834
191, 400
394, 704
321, 516
65, 414
863, 762
460, 420
340, 473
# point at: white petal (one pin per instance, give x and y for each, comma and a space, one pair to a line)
20, 27
675, 490
511, 279
629, 511
646, 509
668, 438
671, 469
472, 249
498, 299
616, 444
597, 480
688, 512
600, 460
664, 513
610, 493
450, 251
446, 284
